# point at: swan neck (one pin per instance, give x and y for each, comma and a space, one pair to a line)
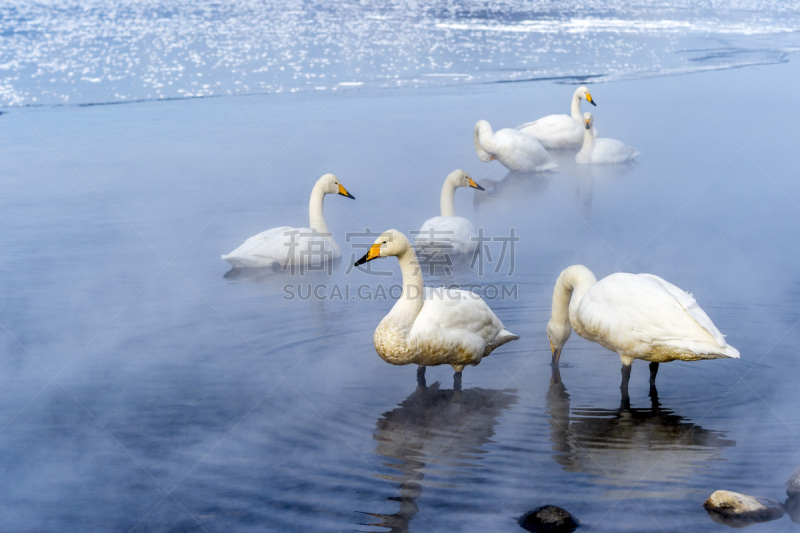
447, 201
570, 287
483, 137
316, 220
412, 298
575, 109
588, 145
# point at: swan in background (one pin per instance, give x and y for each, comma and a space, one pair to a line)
601, 150
561, 131
432, 326
515, 150
448, 230
639, 316
287, 246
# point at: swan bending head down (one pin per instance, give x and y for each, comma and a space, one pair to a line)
639, 316
513, 149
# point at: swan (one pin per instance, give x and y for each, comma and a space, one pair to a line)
515, 150
432, 326
639, 316
448, 230
602, 150
561, 131
284, 246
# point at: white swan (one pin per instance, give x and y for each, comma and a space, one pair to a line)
449, 231
602, 150
515, 150
432, 326
639, 316
285, 245
561, 131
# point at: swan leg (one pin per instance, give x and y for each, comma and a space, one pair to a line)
653, 372
457, 381
421, 377
626, 376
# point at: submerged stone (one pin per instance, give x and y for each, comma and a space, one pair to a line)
793, 484
735, 509
548, 518
793, 508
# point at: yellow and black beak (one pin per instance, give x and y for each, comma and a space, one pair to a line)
590, 99
474, 185
374, 252
588, 124
344, 192
556, 353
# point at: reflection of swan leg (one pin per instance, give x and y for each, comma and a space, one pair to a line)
457, 381
653, 372
421, 377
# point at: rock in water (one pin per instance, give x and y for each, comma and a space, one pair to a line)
548, 518
734, 509
793, 485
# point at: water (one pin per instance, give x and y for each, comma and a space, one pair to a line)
144, 390
68, 52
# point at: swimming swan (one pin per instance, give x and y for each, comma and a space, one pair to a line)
285, 246
448, 230
432, 326
515, 150
561, 131
639, 316
602, 150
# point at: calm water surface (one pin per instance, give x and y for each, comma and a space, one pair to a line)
141, 389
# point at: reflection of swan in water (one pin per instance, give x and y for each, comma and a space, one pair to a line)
445, 427
647, 448
516, 188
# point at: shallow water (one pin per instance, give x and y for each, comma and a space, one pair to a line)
141, 389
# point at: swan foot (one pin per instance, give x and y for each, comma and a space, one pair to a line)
653, 372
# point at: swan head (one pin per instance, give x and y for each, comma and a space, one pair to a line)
583, 92
557, 333
391, 242
329, 184
588, 120
460, 178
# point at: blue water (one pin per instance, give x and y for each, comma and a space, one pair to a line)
102, 51
142, 389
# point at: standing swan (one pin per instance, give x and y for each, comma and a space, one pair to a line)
515, 150
284, 246
432, 326
448, 230
561, 131
602, 150
639, 316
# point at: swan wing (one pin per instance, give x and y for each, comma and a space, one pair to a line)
461, 321
633, 313
612, 151
284, 245
689, 304
454, 233
555, 131
520, 151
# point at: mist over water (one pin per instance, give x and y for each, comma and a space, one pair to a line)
143, 389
